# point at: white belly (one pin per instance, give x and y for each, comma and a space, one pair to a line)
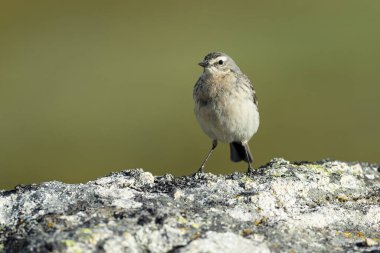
232, 120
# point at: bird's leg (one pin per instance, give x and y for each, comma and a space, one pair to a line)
249, 161
214, 144
251, 170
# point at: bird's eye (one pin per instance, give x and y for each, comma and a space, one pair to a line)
220, 62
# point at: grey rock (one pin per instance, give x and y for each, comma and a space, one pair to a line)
224, 242
326, 206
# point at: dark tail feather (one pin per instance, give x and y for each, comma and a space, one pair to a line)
239, 152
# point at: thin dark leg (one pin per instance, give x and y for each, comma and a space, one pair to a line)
214, 144
249, 160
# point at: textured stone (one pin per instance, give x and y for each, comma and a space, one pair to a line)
326, 206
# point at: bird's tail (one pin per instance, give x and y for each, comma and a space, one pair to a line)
240, 151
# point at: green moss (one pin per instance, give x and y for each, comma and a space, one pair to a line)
195, 225
85, 231
181, 220
277, 174
246, 179
72, 245
85, 235
69, 243
317, 168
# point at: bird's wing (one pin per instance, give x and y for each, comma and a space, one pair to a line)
245, 80
196, 88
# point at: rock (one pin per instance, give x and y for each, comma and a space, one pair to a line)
224, 242
326, 206
370, 242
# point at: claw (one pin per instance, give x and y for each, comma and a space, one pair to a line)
199, 171
251, 170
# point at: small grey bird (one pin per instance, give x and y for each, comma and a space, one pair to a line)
226, 106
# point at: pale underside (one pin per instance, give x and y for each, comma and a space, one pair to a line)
226, 112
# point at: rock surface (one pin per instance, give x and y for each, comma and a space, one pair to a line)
327, 206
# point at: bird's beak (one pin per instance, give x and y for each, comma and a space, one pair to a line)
203, 64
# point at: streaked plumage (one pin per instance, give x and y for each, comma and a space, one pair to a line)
226, 105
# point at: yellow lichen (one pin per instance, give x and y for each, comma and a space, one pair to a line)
342, 198
360, 234
347, 234
246, 232
50, 224
260, 221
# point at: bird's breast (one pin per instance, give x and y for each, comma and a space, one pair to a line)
226, 110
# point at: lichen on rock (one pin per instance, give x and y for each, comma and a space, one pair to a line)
326, 206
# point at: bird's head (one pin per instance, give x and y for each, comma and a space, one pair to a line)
218, 63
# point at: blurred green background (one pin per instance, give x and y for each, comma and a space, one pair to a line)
90, 87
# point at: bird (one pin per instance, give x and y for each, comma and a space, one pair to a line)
226, 107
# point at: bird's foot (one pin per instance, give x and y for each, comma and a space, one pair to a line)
198, 172
251, 170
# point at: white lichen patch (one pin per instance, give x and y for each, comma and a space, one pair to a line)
124, 243
146, 178
324, 217
267, 205
350, 181
242, 214
286, 191
177, 194
5, 209
225, 242
344, 168
372, 217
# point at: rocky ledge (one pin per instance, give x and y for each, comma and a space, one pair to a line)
326, 206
